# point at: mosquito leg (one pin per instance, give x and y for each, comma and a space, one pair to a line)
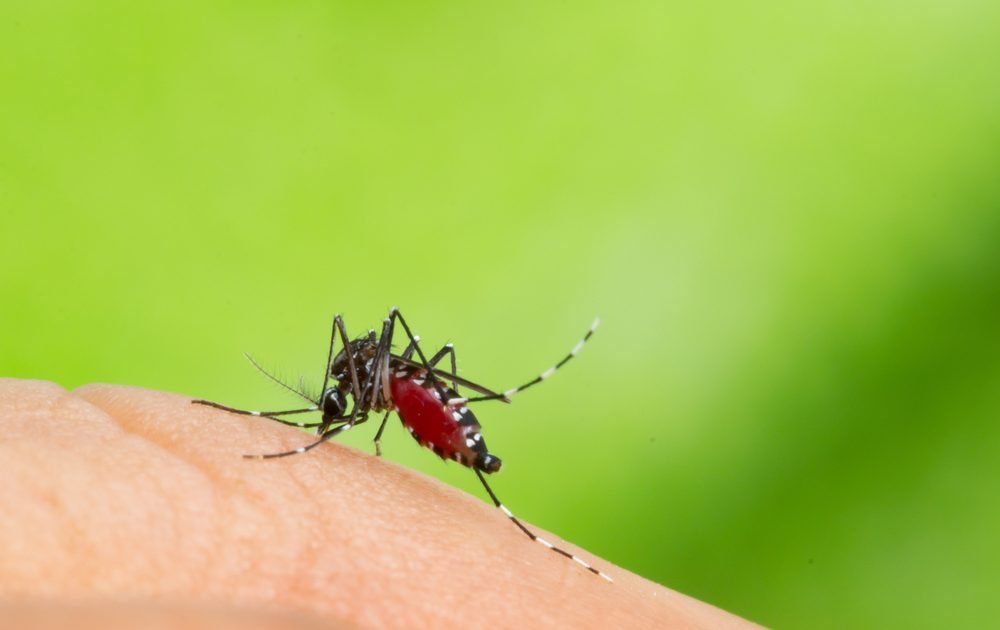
544, 375
408, 353
456, 379
292, 423
394, 315
269, 414
448, 349
533, 536
338, 324
378, 436
247, 412
327, 435
380, 375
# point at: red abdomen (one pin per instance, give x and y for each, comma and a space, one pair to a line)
424, 415
450, 431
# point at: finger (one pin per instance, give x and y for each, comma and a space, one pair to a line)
135, 494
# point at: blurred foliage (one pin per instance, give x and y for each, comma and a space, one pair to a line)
787, 215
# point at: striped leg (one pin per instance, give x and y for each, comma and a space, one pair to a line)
329, 417
448, 349
323, 438
298, 391
270, 415
530, 534
394, 316
379, 377
378, 436
338, 326
538, 379
292, 423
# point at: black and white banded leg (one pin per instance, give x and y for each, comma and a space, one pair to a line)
359, 395
394, 316
538, 539
452, 377
505, 396
270, 415
332, 413
338, 326
326, 433
381, 376
436, 376
329, 434
447, 349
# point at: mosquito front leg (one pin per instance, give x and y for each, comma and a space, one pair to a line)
394, 315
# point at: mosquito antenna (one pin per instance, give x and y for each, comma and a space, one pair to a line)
298, 392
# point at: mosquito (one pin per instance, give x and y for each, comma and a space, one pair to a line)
365, 377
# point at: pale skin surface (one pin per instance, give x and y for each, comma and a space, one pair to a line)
119, 503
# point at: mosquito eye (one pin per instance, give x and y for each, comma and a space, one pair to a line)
333, 405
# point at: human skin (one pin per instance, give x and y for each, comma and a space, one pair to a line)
119, 503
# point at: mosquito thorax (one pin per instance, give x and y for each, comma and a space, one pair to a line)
361, 352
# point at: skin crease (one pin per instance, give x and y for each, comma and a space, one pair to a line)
118, 502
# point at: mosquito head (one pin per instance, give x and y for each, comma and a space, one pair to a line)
333, 403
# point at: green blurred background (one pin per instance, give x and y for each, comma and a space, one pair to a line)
786, 214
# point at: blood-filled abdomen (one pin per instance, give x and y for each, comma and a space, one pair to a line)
450, 431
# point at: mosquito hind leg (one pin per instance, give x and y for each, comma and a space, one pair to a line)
538, 539
505, 396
